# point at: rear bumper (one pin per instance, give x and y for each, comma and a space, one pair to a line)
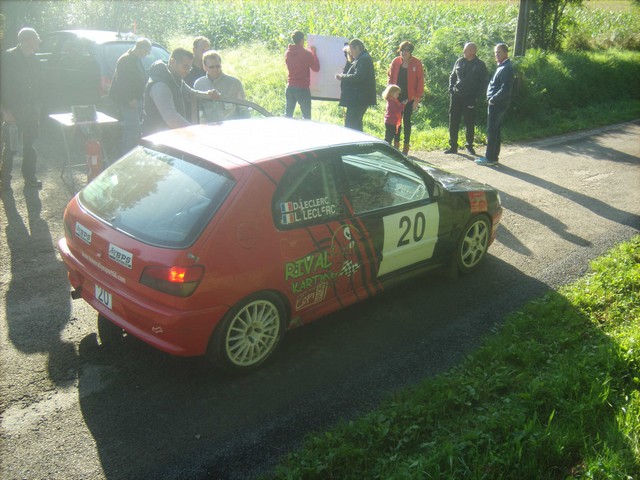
172, 330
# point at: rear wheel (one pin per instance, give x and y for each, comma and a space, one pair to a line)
248, 334
473, 244
110, 334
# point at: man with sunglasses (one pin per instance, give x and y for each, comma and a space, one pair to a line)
167, 95
228, 86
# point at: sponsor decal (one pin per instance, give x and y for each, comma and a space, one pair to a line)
478, 202
83, 233
302, 210
307, 265
349, 268
104, 269
308, 274
312, 296
120, 256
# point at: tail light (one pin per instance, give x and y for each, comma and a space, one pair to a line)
176, 281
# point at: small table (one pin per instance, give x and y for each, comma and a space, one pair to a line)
67, 123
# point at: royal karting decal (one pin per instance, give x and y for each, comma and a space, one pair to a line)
120, 256
323, 267
302, 210
478, 202
307, 265
83, 233
312, 296
409, 237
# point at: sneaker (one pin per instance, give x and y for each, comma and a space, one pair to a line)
451, 150
33, 183
484, 161
470, 150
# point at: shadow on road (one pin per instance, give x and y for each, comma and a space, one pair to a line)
37, 299
598, 207
161, 416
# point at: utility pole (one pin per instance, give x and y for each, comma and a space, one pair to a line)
521, 28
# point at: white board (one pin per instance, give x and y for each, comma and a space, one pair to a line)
324, 85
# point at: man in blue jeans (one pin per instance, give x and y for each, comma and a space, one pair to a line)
300, 62
498, 97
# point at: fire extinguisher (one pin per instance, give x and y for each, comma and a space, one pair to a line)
93, 153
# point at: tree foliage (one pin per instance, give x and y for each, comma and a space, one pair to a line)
547, 23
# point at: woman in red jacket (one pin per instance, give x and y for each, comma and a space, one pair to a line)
406, 72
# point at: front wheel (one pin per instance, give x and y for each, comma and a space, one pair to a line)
248, 334
473, 244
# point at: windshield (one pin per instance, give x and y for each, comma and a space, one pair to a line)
156, 197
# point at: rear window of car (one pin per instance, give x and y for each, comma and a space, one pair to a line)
156, 197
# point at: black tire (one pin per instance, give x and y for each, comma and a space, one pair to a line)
248, 334
110, 334
473, 244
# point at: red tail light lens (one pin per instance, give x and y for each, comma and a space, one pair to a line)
176, 281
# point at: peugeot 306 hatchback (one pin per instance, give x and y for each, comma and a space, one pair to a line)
215, 239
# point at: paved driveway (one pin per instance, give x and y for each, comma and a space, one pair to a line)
72, 410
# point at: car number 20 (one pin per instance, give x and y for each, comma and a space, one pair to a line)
409, 237
103, 296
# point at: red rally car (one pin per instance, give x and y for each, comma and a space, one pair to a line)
214, 239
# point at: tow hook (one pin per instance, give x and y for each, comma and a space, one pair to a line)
76, 294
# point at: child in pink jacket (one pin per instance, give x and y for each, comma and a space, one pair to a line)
393, 114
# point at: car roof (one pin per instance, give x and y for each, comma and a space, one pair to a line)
100, 36
258, 139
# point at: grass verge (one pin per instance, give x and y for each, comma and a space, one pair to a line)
555, 393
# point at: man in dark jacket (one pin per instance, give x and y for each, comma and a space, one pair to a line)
466, 82
498, 98
20, 99
127, 89
358, 85
166, 94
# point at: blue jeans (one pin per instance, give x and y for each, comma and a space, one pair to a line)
495, 116
131, 122
298, 95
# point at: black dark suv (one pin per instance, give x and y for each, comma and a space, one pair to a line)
78, 65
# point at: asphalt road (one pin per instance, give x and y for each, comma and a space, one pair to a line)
71, 410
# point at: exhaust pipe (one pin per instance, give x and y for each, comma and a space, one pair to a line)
76, 294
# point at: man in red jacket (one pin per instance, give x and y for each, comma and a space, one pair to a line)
300, 62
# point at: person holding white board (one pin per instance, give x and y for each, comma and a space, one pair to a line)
300, 62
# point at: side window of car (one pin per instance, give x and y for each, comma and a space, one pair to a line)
376, 179
307, 195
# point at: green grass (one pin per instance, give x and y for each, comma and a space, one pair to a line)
554, 393
546, 103
599, 71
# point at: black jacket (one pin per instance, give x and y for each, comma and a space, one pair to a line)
129, 79
159, 73
21, 86
358, 86
468, 79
